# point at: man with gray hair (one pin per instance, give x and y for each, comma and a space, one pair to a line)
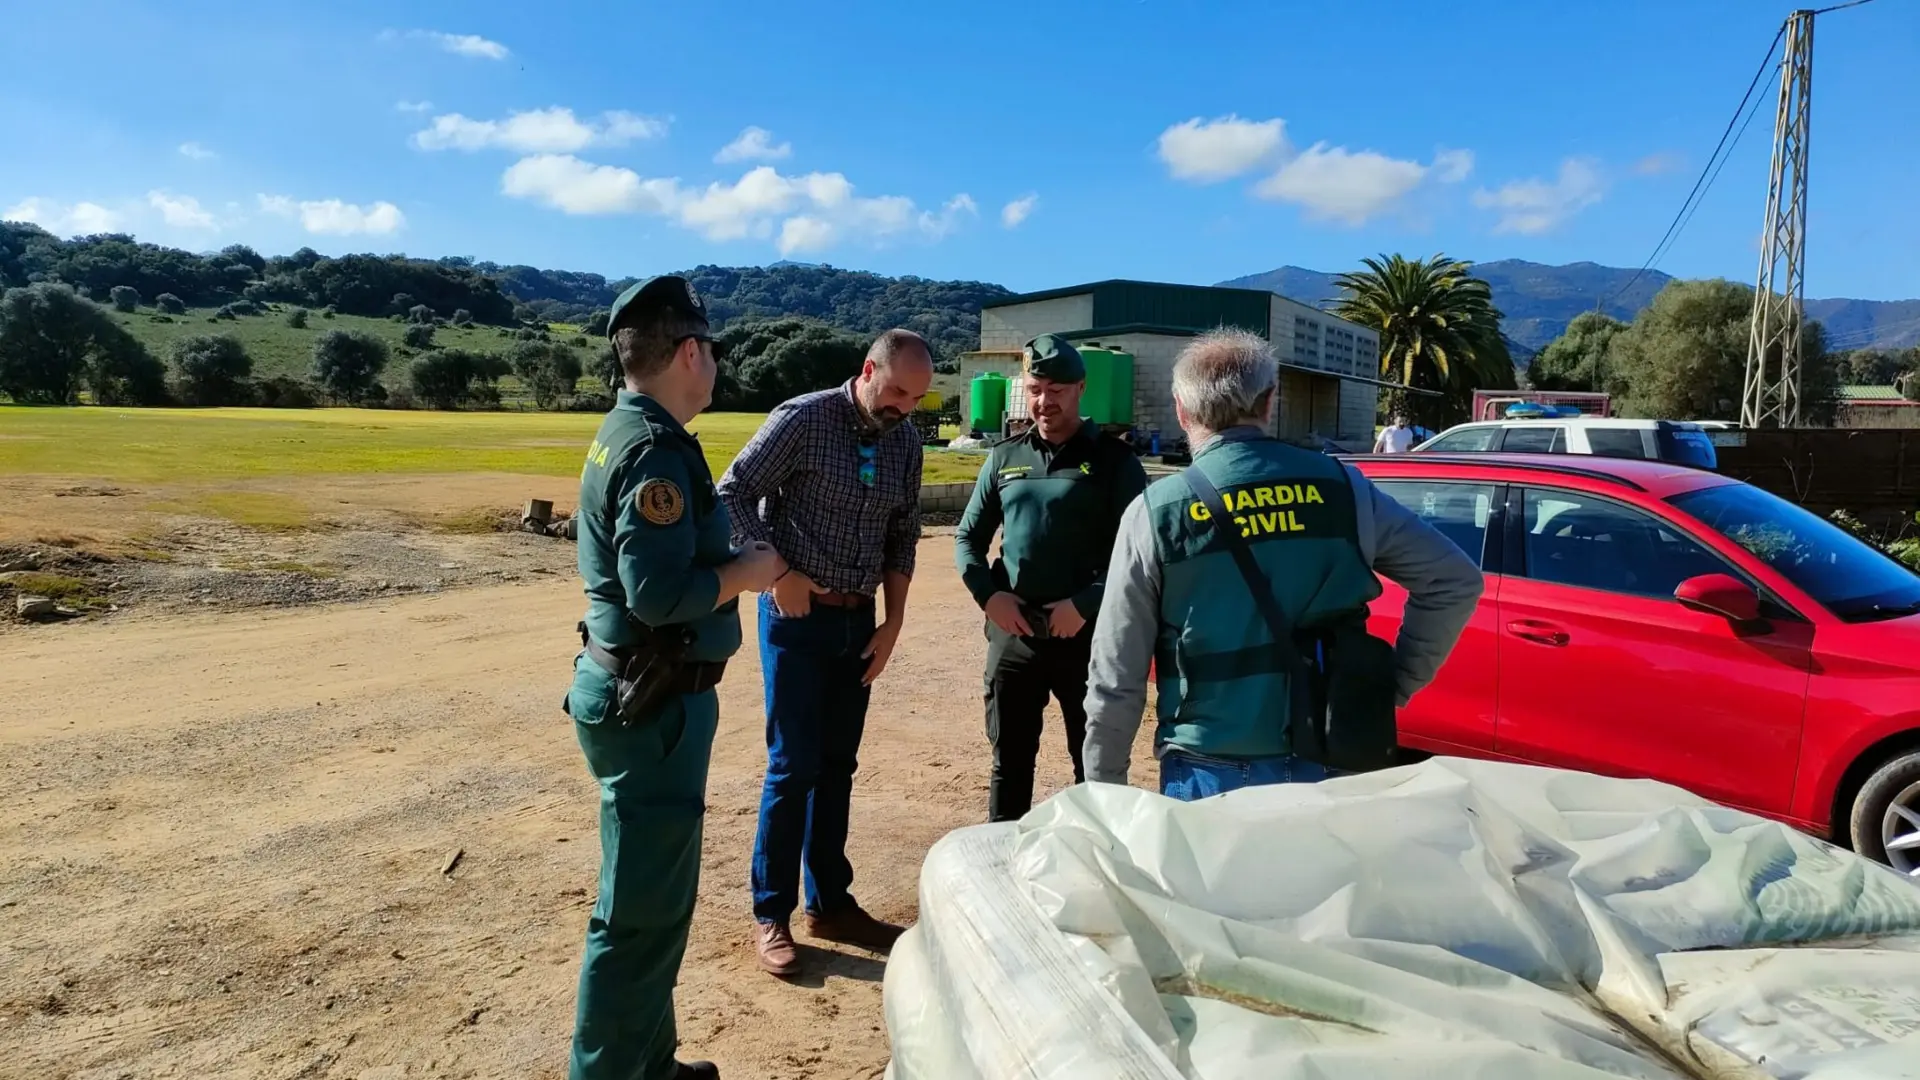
1180, 592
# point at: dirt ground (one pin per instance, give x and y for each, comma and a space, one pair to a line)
227, 825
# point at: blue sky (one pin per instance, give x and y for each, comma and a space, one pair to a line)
1033, 144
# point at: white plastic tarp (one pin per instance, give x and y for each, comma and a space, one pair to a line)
1456, 919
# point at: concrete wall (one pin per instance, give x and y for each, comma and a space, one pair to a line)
944, 498
1012, 326
1153, 357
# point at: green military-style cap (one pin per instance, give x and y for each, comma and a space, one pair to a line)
1053, 358
666, 291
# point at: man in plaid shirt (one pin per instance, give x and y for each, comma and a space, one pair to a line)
832, 481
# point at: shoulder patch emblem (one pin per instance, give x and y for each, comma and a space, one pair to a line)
660, 501
1086, 468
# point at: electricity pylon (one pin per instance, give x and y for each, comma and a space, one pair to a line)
1772, 394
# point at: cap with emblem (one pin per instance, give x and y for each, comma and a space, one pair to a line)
1051, 357
666, 291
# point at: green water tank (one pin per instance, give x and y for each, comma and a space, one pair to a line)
987, 401
1109, 397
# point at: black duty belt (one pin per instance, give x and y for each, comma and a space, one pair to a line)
692, 678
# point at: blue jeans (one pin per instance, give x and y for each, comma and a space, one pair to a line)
816, 712
1187, 777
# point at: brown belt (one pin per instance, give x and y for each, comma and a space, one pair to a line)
843, 599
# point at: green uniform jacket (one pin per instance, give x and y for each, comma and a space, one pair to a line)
1223, 686
652, 531
1175, 600
1060, 507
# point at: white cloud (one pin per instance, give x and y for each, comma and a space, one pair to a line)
468, 45
1535, 206
568, 184
1018, 211
804, 232
1452, 166
753, 144
1334, 183
1659, 164
76, 219
956, 212
333, 217
797, 213
181, 211
195, 151
538, 131
1209, 150
413, 106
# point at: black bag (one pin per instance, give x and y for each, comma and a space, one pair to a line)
1341, 712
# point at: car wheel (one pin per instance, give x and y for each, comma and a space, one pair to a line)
1886, 815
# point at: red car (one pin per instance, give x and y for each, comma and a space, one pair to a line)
1651, 620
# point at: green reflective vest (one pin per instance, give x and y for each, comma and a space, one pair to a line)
1223, 688
651, 530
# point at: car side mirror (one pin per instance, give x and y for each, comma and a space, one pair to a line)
1720, 594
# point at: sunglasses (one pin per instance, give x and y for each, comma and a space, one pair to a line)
702, 338
869, 461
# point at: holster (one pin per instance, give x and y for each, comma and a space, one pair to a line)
647, 675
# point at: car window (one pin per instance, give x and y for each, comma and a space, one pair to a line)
1593, 543
1616, 442
1535, 439
1464, 441
1850, 579
1689, 447
1459, 512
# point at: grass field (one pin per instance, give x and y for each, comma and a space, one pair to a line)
279, 349
158, 445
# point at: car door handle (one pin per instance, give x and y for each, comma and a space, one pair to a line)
1539, 632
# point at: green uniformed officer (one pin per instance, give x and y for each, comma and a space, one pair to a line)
662, 582
1059, 491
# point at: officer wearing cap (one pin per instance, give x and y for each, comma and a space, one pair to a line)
662, 581
1056, 494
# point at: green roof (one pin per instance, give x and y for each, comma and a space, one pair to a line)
1190, 308
1859, 392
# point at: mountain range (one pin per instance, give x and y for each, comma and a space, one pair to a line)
1539, 300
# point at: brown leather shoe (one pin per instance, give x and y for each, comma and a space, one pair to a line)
852, 926
778, 954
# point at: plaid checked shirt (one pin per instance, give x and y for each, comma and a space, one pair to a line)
797, 486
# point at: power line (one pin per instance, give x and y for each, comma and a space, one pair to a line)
1728, 156
1674, 226
1841, 7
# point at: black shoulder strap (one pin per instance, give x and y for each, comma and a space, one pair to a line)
1257, 582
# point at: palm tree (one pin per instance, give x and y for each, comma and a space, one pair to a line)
1438, 331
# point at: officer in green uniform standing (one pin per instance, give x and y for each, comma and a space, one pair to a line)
1057, 494
662, 582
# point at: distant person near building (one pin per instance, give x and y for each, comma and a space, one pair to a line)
1397, 438
832, 481
662, 619
1055, 494
1247, 668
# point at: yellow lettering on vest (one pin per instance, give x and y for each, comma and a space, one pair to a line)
600, 458
1263, 497
1282, 495
1198, 511
1313, 495
1270, 523
1293, 521
1246, 527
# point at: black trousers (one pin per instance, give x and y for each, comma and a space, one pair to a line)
1021, 674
